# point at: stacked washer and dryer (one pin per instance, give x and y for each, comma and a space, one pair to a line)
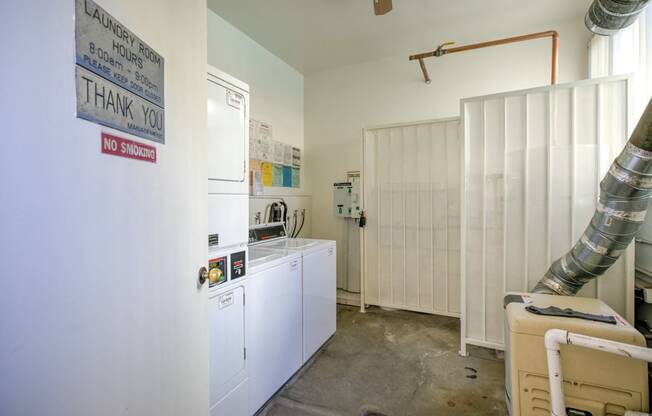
228, 207
272, 299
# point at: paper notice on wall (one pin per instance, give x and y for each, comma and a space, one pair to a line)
279, 152
265, 131
255, 182
287, 155
254, 151
267, 173
264, 149
287, 176
296, 178
296, 157
277, 175
253, 129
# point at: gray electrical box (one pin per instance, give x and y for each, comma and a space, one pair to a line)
346, 199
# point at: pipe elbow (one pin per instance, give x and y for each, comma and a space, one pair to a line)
555, 337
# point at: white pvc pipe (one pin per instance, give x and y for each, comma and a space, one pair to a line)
362, 271
556, 337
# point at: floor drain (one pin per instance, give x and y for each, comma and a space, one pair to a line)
372, 413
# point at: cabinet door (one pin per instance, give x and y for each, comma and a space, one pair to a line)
319, 299
227, 133
227, 342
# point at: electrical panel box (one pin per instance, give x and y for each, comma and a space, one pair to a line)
346, 199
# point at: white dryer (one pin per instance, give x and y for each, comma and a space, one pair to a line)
319, 281
273, 322
227, 158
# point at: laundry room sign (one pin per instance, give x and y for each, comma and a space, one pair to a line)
120, 78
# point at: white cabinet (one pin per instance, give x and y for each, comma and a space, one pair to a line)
319, 299
274, 321
228, 364
228, 133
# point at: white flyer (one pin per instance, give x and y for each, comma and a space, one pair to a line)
264, 131
279, 152
264, 149
296, 157
287, 155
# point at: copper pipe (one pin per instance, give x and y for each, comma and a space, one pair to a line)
424, 70
551, 33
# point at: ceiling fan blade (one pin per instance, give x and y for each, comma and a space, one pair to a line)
382, 7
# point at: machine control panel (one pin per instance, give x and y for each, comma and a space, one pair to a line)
238, 266
266, 232
217, 271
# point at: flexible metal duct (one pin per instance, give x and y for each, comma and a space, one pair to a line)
625, 193
606, 17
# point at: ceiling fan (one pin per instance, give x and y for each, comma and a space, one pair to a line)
382, 7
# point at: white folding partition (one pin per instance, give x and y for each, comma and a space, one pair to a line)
412, 202
533, 161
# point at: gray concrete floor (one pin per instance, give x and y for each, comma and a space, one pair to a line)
394, 363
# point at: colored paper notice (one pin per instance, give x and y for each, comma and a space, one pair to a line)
296, 178
267, 173
255, 178
277, 175
287, 176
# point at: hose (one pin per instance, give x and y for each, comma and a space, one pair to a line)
295, 223
625, 194
303, 219
606, 17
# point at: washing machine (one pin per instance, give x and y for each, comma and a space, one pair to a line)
274, 322
318, 276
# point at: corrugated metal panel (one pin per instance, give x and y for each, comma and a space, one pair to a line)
412, 201
533, 164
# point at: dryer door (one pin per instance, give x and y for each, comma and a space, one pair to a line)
228, 136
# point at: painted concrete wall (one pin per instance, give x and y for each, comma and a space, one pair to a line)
341, 101
277, 89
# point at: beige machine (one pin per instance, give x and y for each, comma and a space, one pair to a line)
596, 383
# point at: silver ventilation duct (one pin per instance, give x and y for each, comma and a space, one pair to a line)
606, 17
625, 193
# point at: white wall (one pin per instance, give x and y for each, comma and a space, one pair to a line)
100, 313
341, 101
276, 88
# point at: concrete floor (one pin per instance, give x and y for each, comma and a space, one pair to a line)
394, 363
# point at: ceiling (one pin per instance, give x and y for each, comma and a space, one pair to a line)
313, 35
